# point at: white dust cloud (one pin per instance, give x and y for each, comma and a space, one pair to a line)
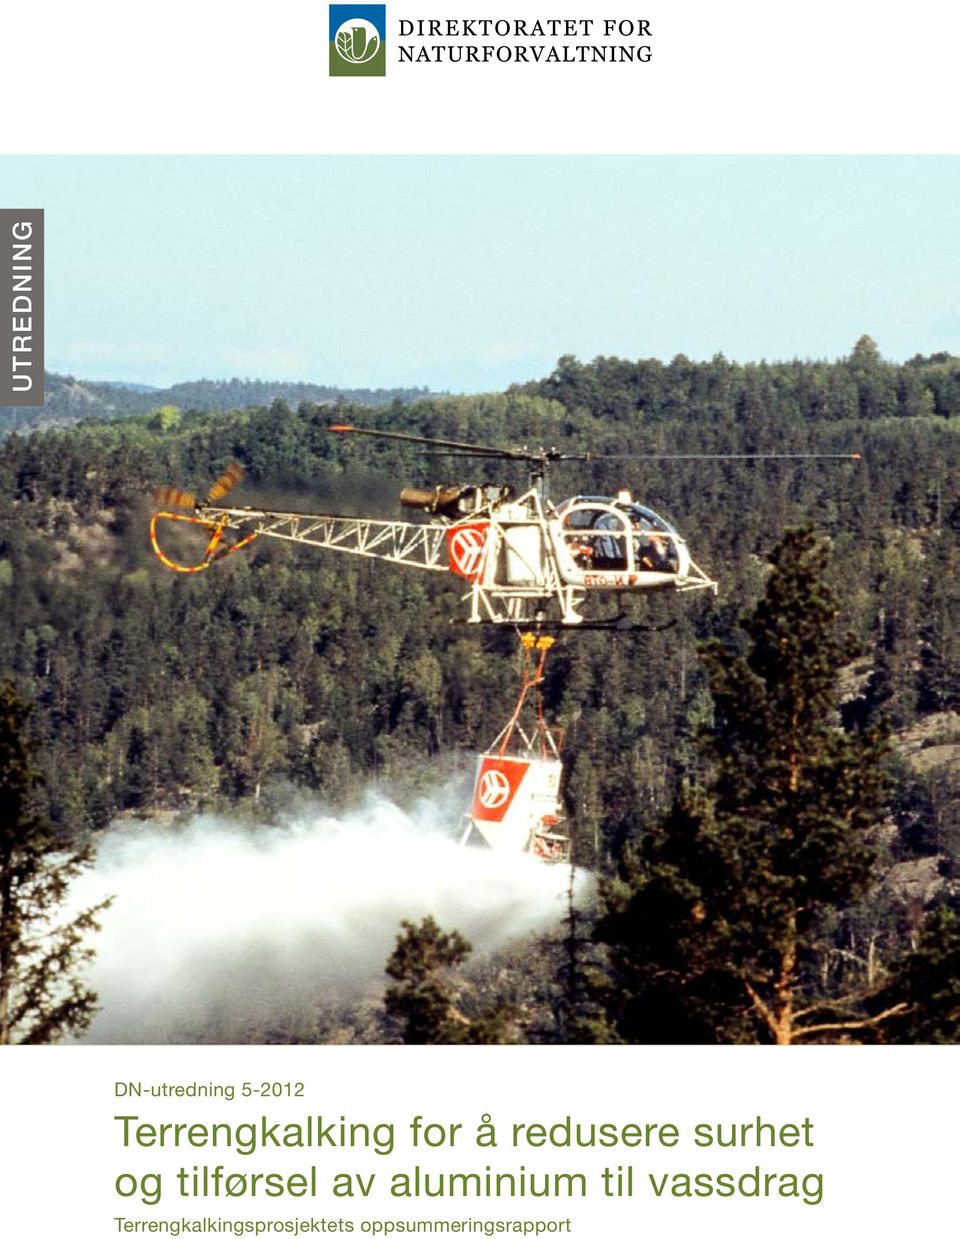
221, 931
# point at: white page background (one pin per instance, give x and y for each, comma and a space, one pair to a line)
741, 77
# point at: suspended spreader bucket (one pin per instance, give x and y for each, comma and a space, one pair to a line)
516, 806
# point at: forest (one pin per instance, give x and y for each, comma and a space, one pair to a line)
68, 400
288, 669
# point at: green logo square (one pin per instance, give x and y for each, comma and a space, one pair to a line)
358, 40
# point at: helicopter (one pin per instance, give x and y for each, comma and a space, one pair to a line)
525, 561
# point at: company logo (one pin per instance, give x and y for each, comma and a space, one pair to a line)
496, 785
358, 40
494, 789
466, 546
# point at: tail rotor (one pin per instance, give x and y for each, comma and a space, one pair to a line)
225, 483
214, 524
173, 497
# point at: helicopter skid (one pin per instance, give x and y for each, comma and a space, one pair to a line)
615, 623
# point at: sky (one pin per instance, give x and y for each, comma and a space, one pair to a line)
468, 273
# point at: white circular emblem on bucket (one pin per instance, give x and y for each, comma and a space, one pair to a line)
494, 789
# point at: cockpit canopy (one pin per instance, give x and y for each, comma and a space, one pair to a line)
618, 535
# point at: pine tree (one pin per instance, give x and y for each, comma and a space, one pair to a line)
425, 999
940, 629
579, 1009
715, 923
924, 987
41, 998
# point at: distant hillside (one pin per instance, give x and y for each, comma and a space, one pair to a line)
69, 400
124, 386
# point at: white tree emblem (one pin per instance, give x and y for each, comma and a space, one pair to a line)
466, 549
357, 41
494, 789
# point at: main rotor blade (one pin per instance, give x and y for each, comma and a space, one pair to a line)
450, 455
592, 456
453, 445
552, 455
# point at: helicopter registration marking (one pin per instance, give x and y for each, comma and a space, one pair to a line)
608, 579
